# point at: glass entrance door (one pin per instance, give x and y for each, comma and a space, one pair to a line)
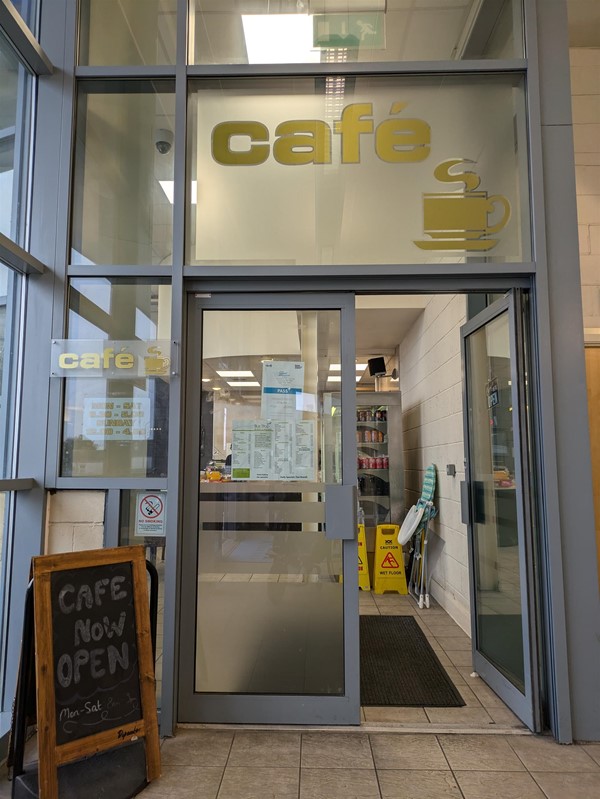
500, 522
268, 624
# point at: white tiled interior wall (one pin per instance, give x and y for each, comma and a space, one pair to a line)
585, 88
431, 385
75, 521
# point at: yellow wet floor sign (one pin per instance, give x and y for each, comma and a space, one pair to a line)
364, 581
388, 566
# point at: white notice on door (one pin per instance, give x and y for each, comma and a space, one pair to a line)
282, 386
273, 450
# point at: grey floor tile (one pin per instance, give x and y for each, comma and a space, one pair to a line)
544, 754
444, 629
494, 784
593, 750
187, 782
341, 783
401, 715
418, 784
393, 610
400, 751
336, 750
461, 659
459, 715
484, 693
276, 749
468, 695
479, 753
197, 748
453, 644
259, 783
504, 717
568, 786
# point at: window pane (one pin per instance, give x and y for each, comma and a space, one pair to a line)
10, 294
15, 86
326, 31
358, 170
5, 497
127, 32
116, 426
28, 9
123, 184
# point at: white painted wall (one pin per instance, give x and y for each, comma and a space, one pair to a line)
585, 89
431, 385
75, 521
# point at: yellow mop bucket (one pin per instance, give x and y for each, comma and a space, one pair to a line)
388, 566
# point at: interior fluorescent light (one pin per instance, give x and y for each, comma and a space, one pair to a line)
243, 383
279, 39
234, 373
168, 186
337, 367
206, 379
338, 378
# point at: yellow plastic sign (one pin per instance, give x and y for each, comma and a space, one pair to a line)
364, 581
388, 566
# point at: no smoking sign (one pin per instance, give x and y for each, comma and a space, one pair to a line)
150, 515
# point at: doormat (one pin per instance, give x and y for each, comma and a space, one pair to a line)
399, 668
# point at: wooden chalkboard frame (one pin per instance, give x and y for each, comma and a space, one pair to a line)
52, 755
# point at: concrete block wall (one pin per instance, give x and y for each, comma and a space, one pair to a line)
585, 90
75, 521
431, 385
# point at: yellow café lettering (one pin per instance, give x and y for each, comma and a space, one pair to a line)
96, 360
308, 141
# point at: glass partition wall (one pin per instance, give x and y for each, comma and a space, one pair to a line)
315, 166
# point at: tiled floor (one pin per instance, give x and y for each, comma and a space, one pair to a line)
244, 764
327, 765
483, 709
480, 751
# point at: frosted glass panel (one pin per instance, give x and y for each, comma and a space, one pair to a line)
270, 595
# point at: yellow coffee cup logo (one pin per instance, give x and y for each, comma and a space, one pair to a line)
462, 220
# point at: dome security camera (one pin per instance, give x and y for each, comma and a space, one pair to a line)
163, 140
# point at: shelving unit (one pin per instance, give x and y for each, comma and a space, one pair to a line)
380, 465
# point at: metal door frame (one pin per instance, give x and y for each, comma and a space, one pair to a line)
526, 706
260, 708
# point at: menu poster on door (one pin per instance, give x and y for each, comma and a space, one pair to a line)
272, 450
282, 383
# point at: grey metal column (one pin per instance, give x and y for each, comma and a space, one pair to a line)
572, 576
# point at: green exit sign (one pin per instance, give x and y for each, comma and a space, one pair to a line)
349, 30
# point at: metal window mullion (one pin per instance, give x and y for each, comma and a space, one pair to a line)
395, 68
22, 40
113, 270
523, 528
66, 132
176, 405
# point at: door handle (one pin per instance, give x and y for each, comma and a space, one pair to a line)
341, 503
478, 489
465, 508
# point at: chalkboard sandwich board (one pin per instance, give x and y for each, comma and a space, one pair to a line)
94, 665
